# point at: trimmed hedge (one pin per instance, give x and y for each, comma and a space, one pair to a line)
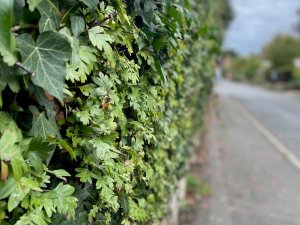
99, 100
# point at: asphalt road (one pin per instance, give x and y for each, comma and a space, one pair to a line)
253, 182
277, 111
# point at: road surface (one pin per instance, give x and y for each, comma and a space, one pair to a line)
254, 166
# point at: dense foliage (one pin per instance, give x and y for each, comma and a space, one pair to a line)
282, 51
98, 101
248, 68
226, 13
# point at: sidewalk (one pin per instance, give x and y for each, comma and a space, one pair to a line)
252, 183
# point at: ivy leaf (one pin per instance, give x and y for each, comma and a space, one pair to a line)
9, 150
33, 4
7, 187
46, 59
41, 126
85, 175
49, 20
36, 161
74, 43
125, 222
87, 61
91, 3
62, 199
60, 173
44, 101
6, 38
145, 9
103, 150
40, 147
81, 218
159, 42
9, 76
64, 145
22, 189
83, 58
77, 24
161, 71
173, 12
36, 216
101, 40
83, 116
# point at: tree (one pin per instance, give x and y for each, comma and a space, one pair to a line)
246, 68
281, 52
226, 13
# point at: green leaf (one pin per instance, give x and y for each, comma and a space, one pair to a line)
77, 24
18, 166
18, 10
85, 175
83, 116
32, 217
40, 147
61, 174
6, 38
87, 60
103, 150
74, 43
9, 150
101, 40
49, 20
44, 101
64, 145
62, 199
33, 4
46, 59
92, 4
159, 42
36, 162
93, 212
22, 189
173, 12
125, 222
9, 76
7, 187
7, 123
41, 126
161, 71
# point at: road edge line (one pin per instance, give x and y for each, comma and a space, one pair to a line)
288, 154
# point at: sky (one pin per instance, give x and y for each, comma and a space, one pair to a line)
256, 22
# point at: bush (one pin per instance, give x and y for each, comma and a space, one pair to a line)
98, 102
249, 68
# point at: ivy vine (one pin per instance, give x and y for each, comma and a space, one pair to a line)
98, 102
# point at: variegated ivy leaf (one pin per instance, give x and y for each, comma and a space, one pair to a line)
41, 126
77, 24
46, 59
49, 16
44, 101
33, 4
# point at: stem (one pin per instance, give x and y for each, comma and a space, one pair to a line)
21, 66
17, 28
110, 16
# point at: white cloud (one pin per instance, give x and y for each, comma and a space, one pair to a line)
257, 21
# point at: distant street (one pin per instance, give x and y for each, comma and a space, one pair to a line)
254, 158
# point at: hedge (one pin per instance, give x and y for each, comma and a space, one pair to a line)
98, 101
